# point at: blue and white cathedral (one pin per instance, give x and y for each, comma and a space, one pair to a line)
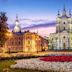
62, 38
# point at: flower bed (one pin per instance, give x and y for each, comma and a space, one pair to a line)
57, 58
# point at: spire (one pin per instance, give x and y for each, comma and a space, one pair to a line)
37, 31
58, 13
17, 27
64, 11
17, 17
69, 13
17, 20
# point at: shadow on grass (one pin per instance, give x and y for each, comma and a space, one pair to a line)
30, 70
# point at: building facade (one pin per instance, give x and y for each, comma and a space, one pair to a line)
25, 41
62, 39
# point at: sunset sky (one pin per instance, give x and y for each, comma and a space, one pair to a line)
32, 12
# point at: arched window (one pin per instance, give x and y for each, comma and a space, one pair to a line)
64, 22
52, 39
56, 38
12, 43
64, 45
64, 28
59, 22
64, 37
28, 41
19, 43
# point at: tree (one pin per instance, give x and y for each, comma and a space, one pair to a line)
3, 28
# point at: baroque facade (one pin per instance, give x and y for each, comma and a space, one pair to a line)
25, 41
62, 39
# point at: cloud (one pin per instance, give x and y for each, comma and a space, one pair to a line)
31, 22
43, 29
49, 24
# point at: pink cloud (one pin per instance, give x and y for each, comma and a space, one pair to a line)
44, 31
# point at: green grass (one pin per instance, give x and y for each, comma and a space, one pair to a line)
4, 64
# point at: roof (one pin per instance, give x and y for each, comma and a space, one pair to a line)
62, 31
18, 33
64, 16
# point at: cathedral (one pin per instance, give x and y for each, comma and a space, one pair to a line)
62, 38
26, 42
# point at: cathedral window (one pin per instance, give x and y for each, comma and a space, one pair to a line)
64, 22
64, 28
59, 22
52, 39
64, 37
56, 38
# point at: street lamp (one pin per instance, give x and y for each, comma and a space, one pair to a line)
9, 34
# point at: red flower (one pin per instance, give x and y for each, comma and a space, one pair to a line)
57, 58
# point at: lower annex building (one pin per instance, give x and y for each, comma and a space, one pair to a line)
25, 41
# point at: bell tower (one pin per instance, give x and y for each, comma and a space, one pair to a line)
58, 22
70, 21
63, 21
64, 11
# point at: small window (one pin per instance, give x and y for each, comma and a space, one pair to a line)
64, 37
52, 38
1, 45
19, 42
64, 22
19, 38
28, 41
12, 43
56, 38
59, 22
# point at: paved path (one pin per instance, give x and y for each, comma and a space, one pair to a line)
42, 65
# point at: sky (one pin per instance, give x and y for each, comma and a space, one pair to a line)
33, 11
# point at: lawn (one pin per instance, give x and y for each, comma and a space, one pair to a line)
5, 64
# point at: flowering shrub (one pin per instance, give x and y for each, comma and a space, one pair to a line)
57, 58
